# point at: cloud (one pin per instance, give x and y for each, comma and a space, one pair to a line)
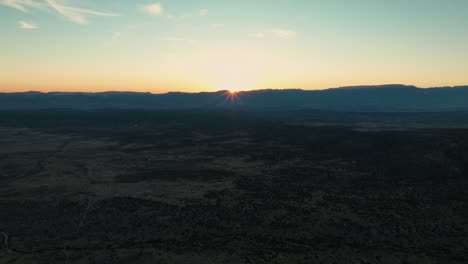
284, 33
257, 35
181, 40
216, 26
22, 5
78, 15
280, 33
203, 12
154, 9
179, 17
26, 25
116, 35
200, 12
75, 14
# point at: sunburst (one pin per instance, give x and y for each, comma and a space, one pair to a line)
232, 96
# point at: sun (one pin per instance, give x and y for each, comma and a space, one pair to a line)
230, 89
232, 96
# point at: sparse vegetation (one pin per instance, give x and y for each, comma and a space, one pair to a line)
226, 188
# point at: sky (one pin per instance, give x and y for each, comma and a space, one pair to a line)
211, 45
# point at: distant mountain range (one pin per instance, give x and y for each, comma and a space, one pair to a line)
392, 97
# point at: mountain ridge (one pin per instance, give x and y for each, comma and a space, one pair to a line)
355, 87
389, 97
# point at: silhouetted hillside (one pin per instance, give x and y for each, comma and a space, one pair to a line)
357, 98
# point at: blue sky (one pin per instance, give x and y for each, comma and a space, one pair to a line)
206, 45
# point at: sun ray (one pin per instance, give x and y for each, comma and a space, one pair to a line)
232, 96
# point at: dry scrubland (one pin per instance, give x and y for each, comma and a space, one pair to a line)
190, 187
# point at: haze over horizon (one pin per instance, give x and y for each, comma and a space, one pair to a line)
237, 92
208, 45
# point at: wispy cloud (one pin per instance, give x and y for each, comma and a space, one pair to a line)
257, 35
203, 12
280, 33
22, 5
179, 17
78, 15
182, 40
216, 26
155, 9
116, 35
26, 25
284, 33
75, 14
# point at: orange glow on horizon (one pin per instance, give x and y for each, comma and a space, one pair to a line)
232, 96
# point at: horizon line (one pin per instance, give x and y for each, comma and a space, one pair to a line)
240, 91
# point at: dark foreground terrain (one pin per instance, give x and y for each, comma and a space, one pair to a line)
231, 187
